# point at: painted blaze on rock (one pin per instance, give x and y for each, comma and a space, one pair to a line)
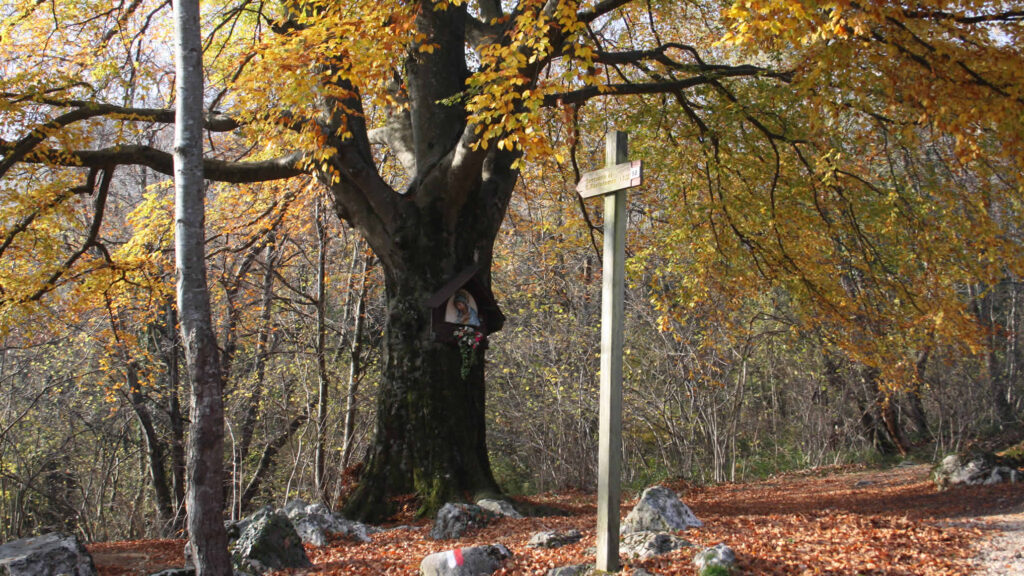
660, 510
465, 561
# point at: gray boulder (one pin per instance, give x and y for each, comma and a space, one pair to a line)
295, 507
659, 510
644, 545
269, 542
554, 539
310, 531
315, 524
499, 507
575, 570
720, 556
186, 572
475, 561
590, 570
453, 520
53, 554
235, 529
973, 470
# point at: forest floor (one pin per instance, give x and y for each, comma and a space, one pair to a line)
834, 522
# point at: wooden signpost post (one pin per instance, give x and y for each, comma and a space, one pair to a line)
612, 181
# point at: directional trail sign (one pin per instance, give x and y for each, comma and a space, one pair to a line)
611, 179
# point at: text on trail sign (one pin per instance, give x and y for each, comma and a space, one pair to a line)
611, 179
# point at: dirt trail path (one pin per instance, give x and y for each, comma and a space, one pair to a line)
1001, 552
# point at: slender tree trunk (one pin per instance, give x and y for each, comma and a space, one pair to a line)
176, 422
264, 344
155, 450
323, 380
266, 462
354, 369
205, 496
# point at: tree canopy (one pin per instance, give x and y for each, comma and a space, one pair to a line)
857, 162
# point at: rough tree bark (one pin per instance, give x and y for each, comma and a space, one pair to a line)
205, 496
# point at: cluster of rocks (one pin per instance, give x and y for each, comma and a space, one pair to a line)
649, 530
267, 540
979, 468
273, 539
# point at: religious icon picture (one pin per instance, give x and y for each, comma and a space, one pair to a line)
462, 309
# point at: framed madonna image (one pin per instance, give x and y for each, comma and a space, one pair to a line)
464, 301
462, 309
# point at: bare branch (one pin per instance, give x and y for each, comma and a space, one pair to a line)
602, 8
999, 17
18, 151
711, 75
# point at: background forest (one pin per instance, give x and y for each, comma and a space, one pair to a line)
815, 274
92, 420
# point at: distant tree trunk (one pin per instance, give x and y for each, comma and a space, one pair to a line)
354, 369
884, 408
915, 406
155, 450
871, 424
259, 369
176, 422
266, 462
986, 310
323, 378
205, 497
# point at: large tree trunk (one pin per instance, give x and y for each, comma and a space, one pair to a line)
430, 436
430, 427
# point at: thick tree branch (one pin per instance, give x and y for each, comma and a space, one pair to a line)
602, 8
214, 121
713, 74
162, 162
999, 17
658, 54
18, 151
